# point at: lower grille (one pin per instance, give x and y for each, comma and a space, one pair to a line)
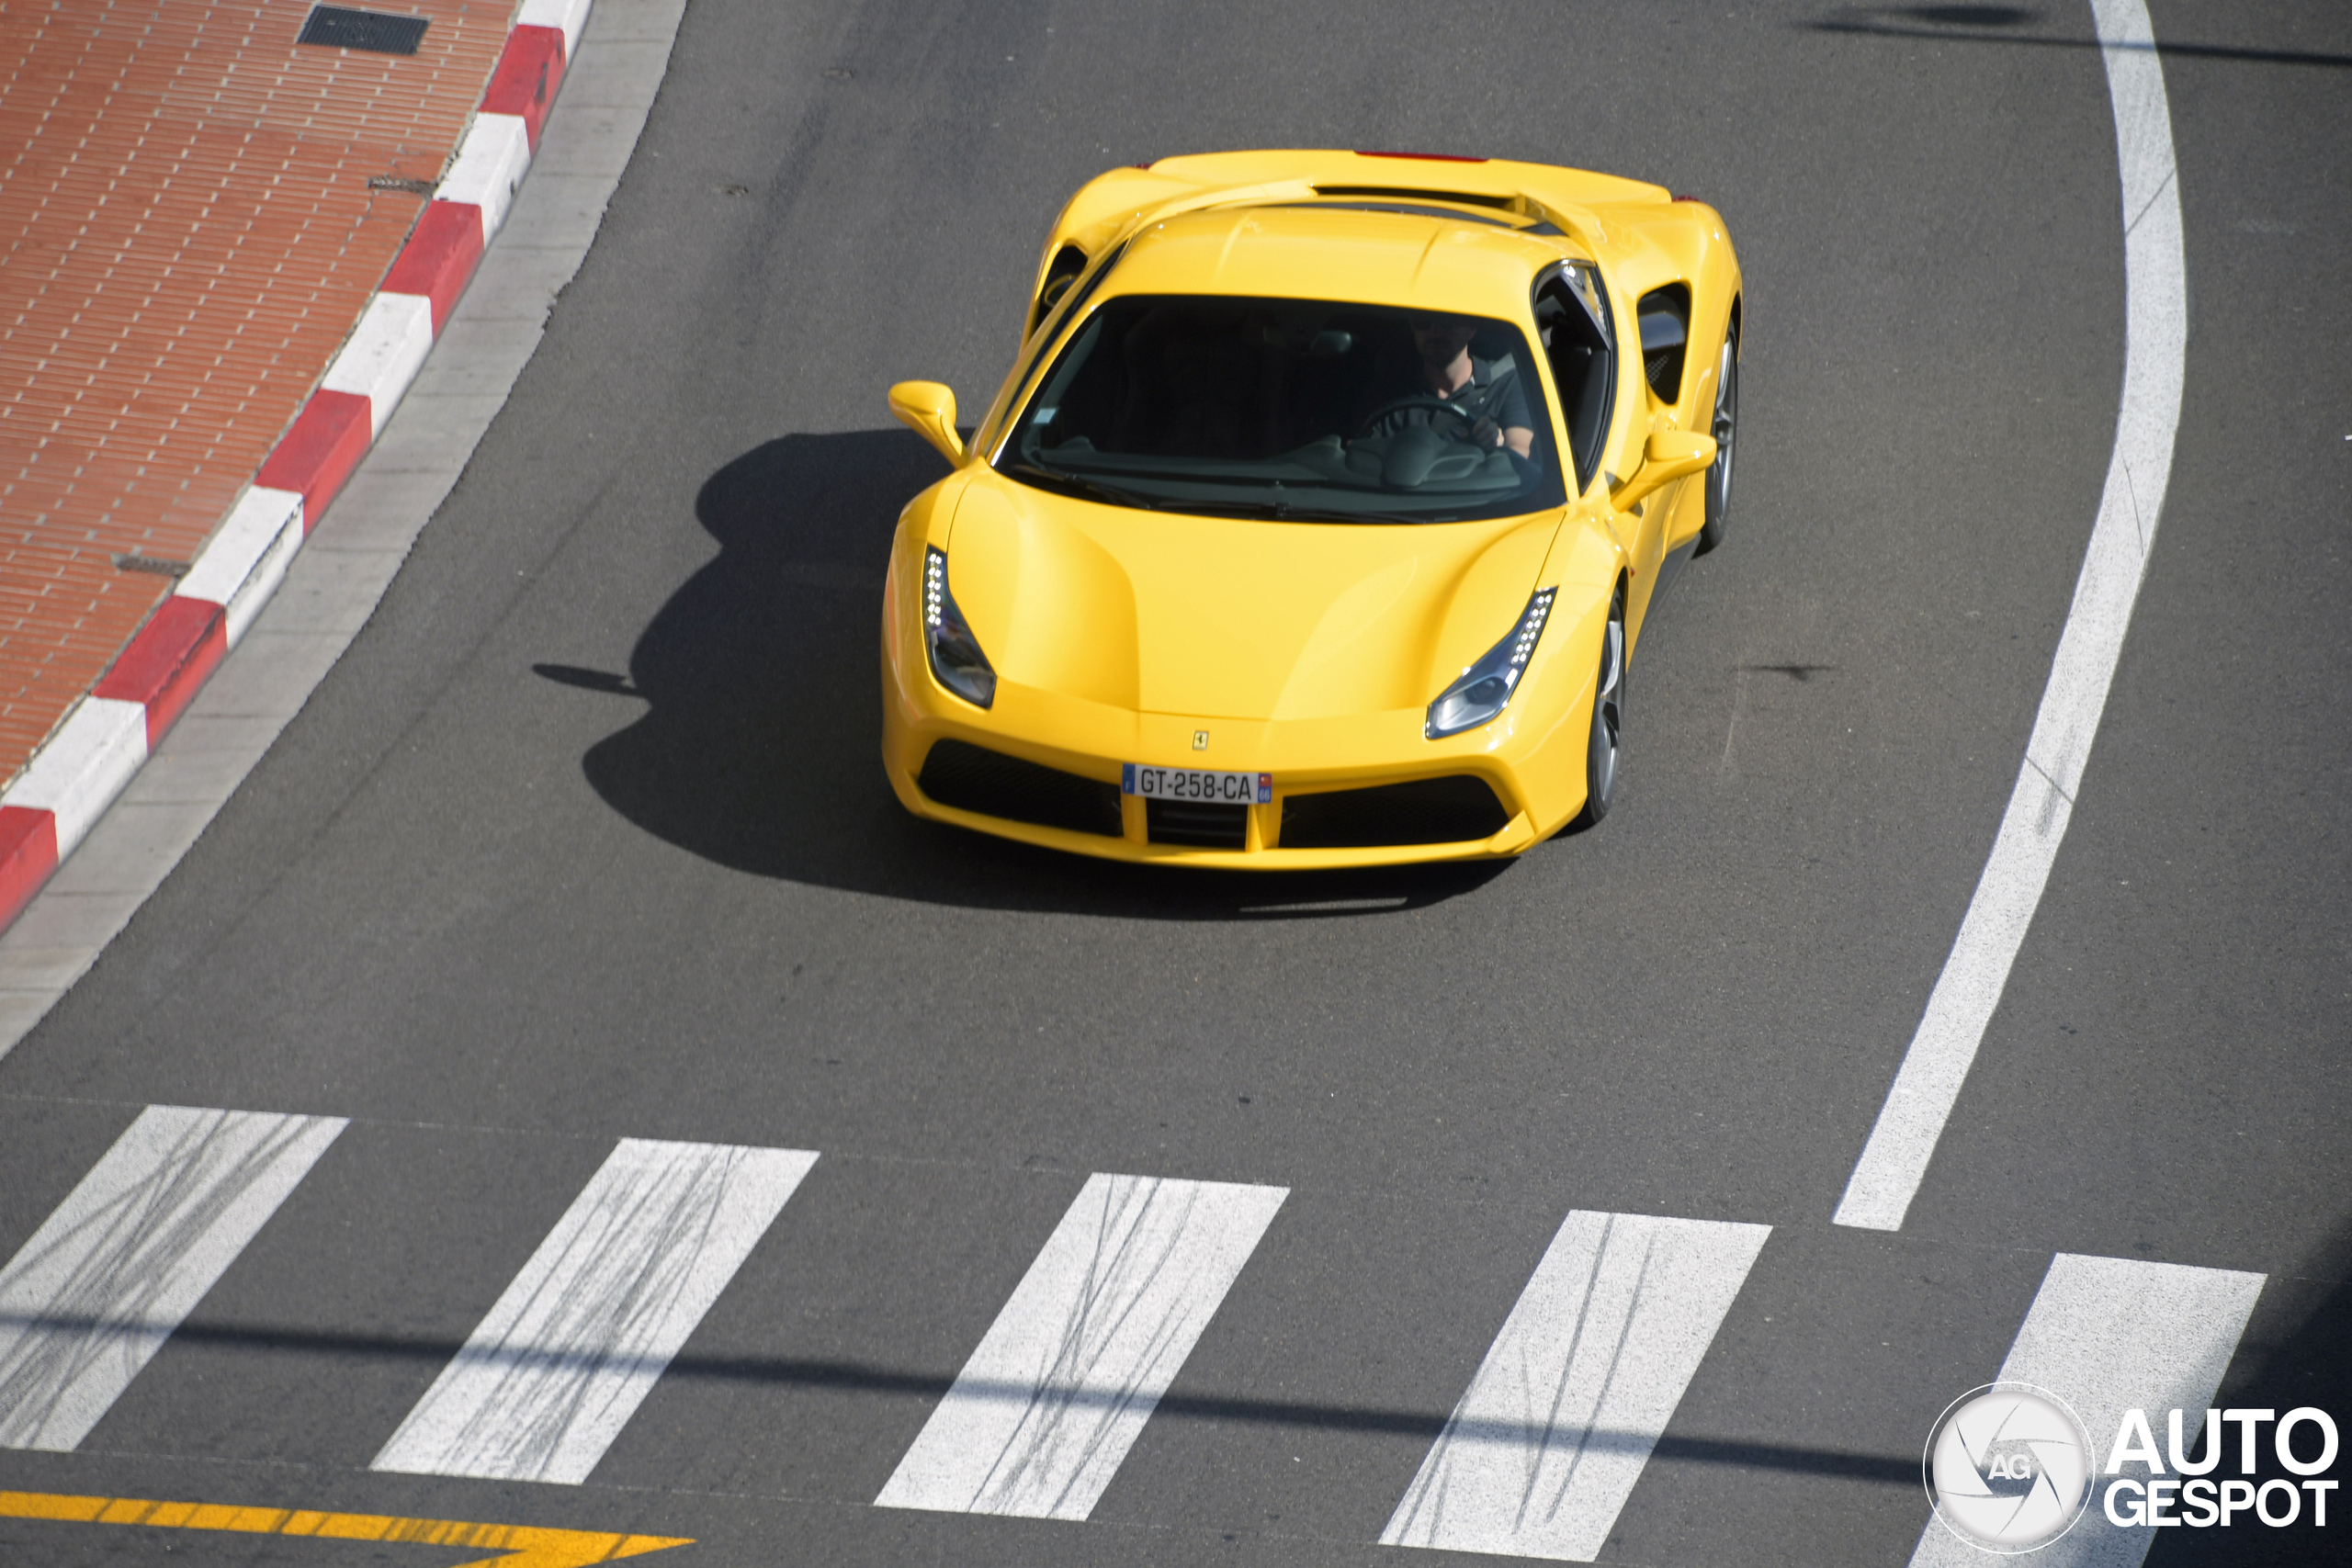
973, 778
1200, 823
1450, 810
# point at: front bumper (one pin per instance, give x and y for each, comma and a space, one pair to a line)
1532, 758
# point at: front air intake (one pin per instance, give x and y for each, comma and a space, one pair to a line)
1201, 823
973, 778
1452, 810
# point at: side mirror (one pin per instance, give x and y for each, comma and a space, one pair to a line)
929, 409
1671, 454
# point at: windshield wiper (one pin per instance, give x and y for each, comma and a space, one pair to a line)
1277, 512
1072, 484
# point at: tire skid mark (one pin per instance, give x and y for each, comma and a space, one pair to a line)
562, 1362
90, 1299
1046, 1409
1545, 1445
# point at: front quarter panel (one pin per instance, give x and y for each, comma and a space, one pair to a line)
1551, 768
1051, 608
1584, 567
1488, 601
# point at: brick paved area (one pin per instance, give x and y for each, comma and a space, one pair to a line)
187, 231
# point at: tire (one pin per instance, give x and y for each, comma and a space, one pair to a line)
1725, 427
1604, 745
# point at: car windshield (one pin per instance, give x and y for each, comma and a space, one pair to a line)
1291, 409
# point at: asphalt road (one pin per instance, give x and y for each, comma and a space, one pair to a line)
587, 837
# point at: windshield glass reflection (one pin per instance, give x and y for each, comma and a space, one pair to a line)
1291, 409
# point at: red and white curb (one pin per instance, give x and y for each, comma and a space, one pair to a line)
90, 757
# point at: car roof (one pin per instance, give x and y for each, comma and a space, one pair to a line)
1415, 255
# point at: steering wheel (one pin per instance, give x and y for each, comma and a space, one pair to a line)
1419, 400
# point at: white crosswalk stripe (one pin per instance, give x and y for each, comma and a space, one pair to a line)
2109, 1335
1060, 1387
572, 1348
1538, 1460
91, 1298
1544, 1448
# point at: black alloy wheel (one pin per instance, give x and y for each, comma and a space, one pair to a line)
1604, 747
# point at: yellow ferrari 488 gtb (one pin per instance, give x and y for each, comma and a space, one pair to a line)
1318, 521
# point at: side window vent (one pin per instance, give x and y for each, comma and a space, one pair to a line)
1665, 315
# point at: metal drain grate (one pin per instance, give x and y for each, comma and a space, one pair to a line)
339, 27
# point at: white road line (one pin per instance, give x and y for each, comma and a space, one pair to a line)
2109, 1335
1061, 1386
125, 1258
1546, 1444
579, 1338
1894, 1162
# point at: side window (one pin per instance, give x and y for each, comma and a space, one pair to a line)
1572, 315
1665, 317
1071, 299
1066, 302
1068, 261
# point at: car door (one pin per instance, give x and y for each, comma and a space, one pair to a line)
1606, 418
1668, 517
1641, 528
1670, 384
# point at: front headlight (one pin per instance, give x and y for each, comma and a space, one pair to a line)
956, 655
1486, 688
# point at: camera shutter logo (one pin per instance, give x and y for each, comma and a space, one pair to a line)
2008, 1467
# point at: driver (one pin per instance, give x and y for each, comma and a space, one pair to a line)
1488, 394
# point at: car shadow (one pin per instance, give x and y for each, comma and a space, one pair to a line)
759, 744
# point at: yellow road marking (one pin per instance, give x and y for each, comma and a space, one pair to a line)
514, 1546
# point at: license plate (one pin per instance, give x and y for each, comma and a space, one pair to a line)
1196, 783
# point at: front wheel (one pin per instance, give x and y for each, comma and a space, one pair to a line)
1725, 427
1604, 747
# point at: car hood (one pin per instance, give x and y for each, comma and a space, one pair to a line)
1232, 618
